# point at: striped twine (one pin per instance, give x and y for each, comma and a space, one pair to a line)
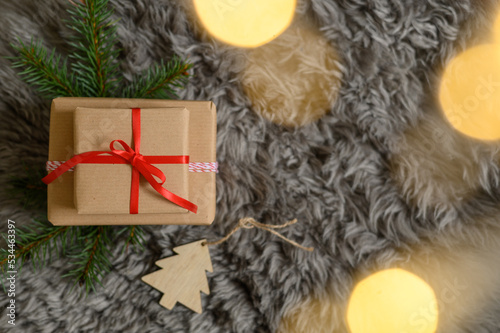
193, 167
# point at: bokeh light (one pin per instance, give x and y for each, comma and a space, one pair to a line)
392, 301
245, 23
496, 29
295, 79
470, 92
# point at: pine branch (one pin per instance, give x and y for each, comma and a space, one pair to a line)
159, 81
43, 70
36, 241
95, 50
91, 263
135, 236
29, 188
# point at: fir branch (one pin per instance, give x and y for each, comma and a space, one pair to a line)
36, 241
95, 51
159, 81
28, 188
91, 263
135, 236
43, 70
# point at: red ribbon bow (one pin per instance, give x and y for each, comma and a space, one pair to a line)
141, 165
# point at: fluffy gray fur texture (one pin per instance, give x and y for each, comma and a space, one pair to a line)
351, 178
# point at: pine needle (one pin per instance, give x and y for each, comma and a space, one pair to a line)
44, 70
95, 47
160, 81
37, 242
135, 237
90, 257
29, 188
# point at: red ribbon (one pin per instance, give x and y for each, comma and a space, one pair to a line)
141, 165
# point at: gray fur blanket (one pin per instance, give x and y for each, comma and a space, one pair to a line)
380, 180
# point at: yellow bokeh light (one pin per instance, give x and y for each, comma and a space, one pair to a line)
392, 301
496, 30
245, 23
470, 92
293, 80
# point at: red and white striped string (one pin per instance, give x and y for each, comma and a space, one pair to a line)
193, 167
204, 167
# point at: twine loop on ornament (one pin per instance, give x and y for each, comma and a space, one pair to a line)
250, 223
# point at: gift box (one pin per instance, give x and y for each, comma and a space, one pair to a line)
164, 132
131, 161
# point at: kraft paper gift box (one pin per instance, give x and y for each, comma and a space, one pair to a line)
100, 194
164, 132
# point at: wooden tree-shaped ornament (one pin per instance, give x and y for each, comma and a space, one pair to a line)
183, 276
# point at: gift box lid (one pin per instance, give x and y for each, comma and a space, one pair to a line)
106, 188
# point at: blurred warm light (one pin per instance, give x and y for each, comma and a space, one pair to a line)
245, 23
462, 266
392, 301
293, 80
496, 29
470, 94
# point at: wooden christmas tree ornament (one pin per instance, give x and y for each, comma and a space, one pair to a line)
183, 276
